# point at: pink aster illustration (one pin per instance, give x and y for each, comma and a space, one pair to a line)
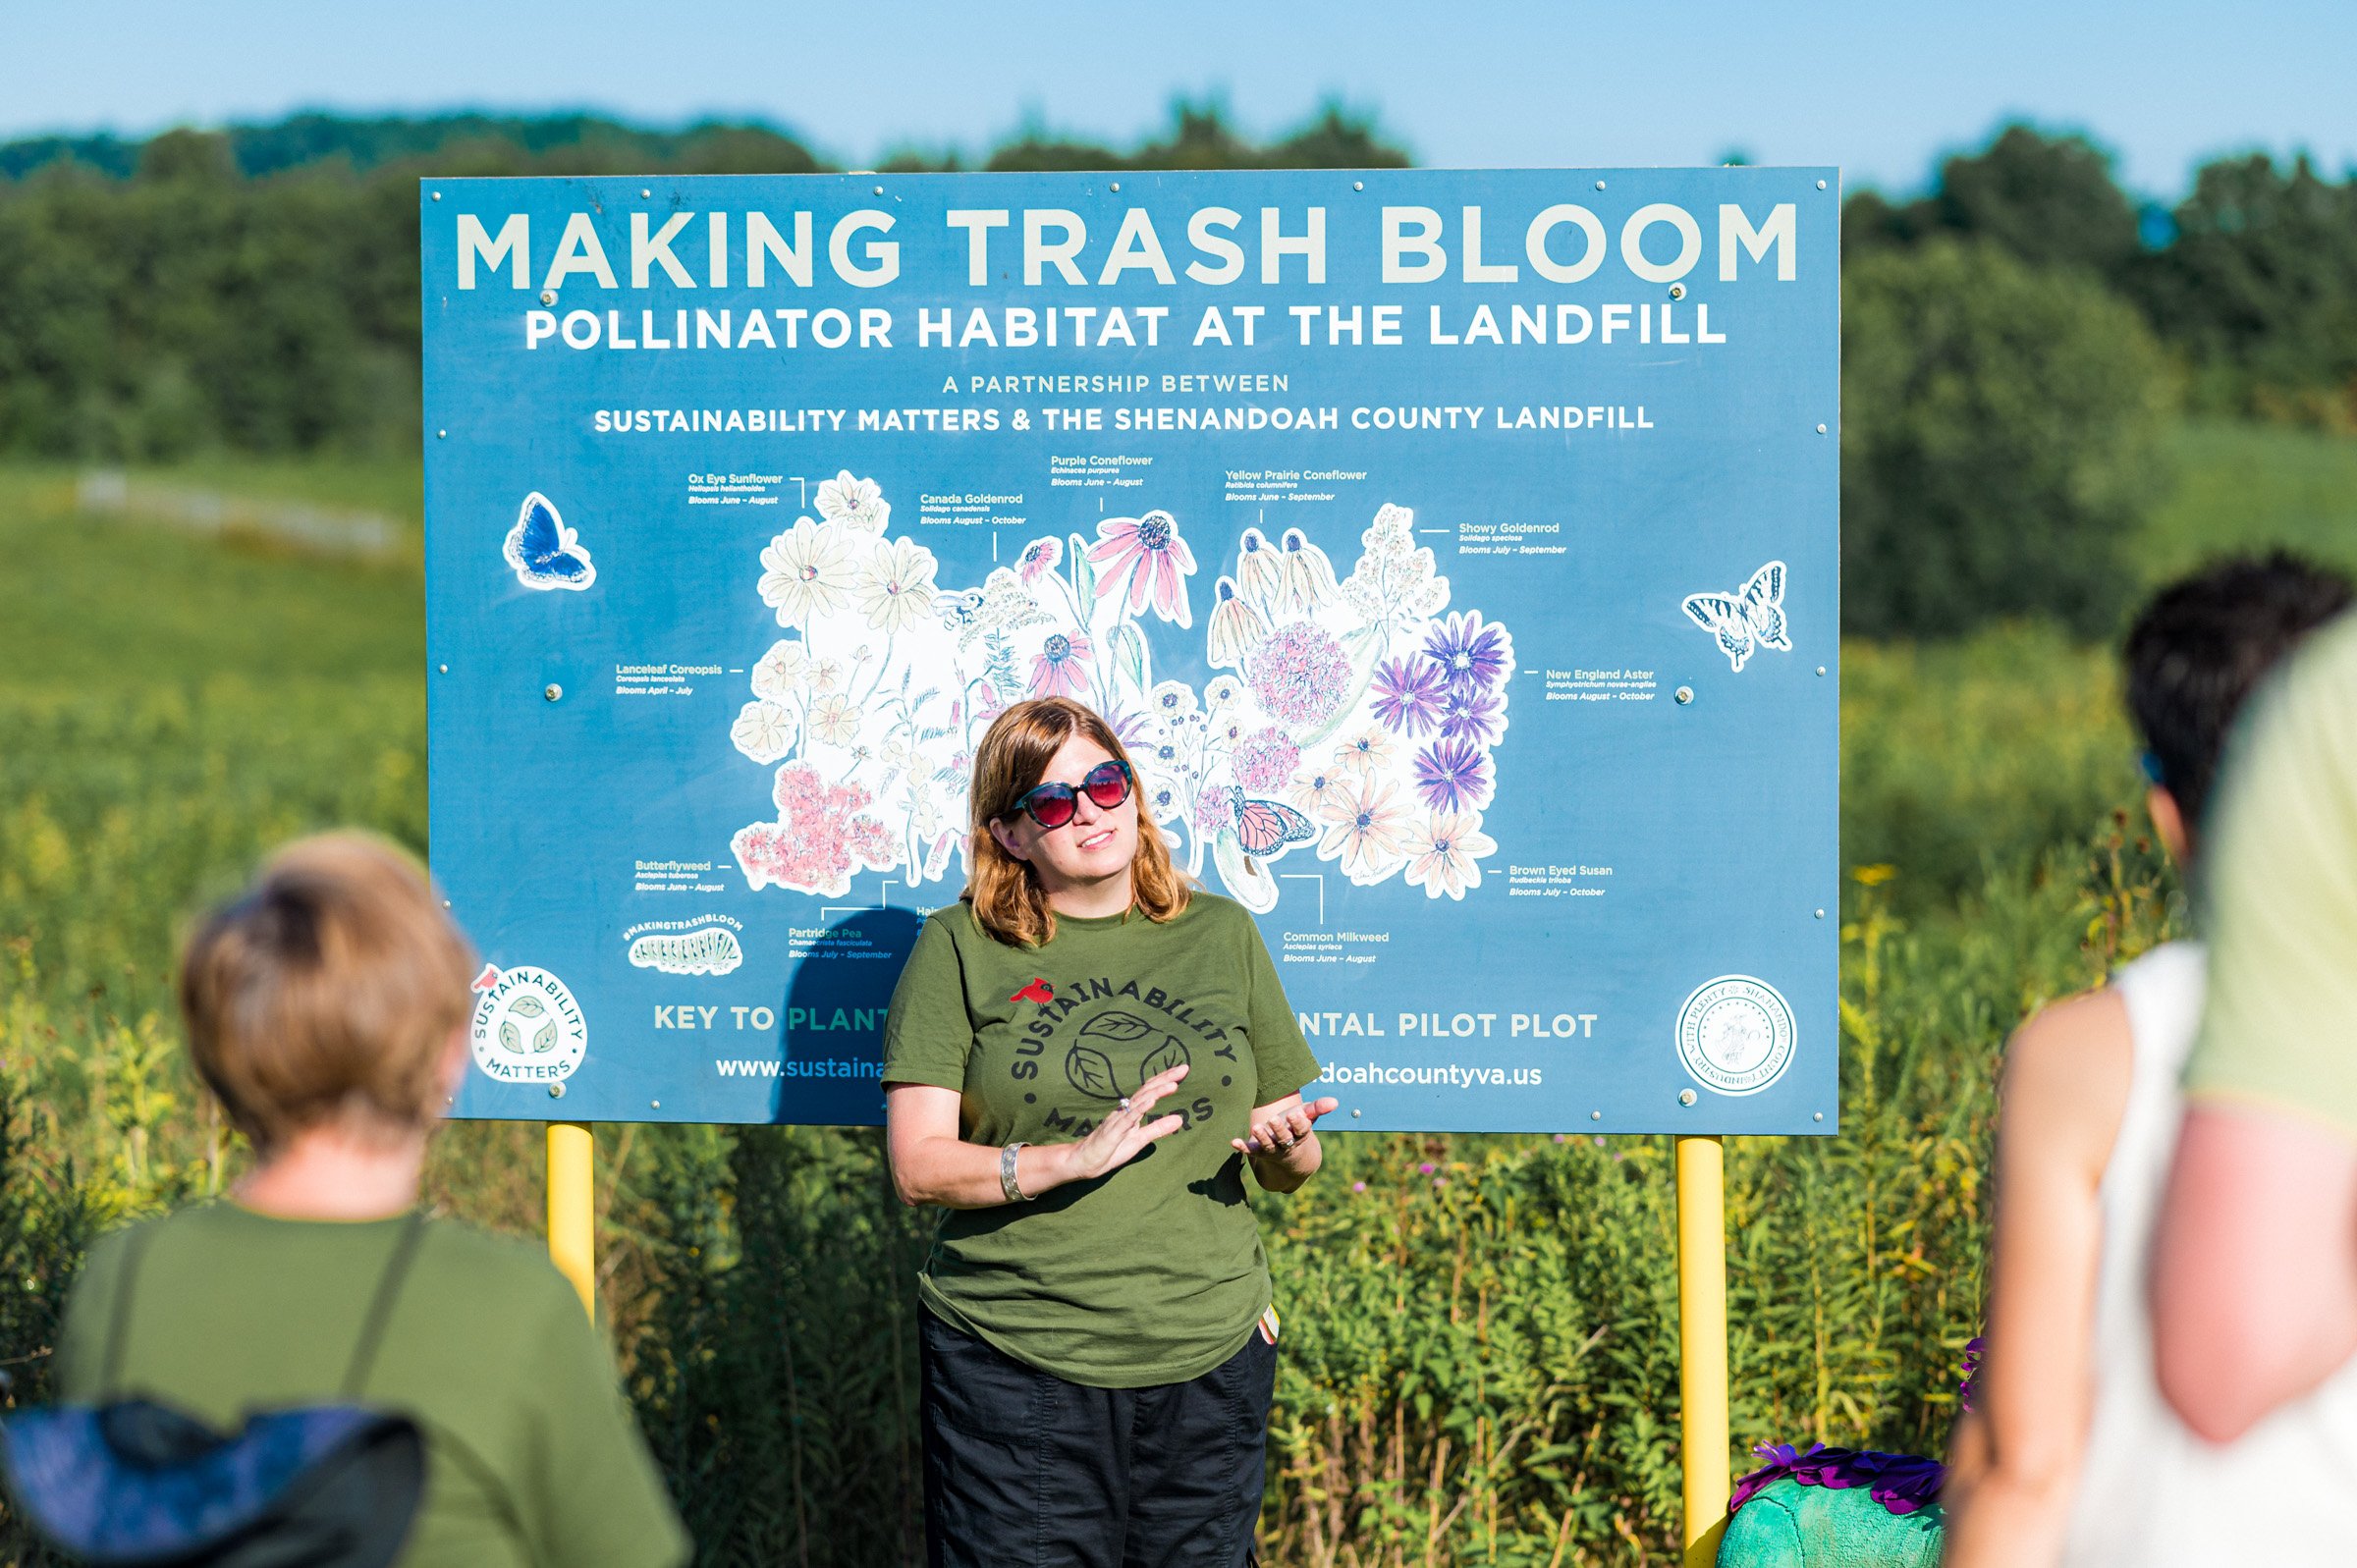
1061, 668
1146, 556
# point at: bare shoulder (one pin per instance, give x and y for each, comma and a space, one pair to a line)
2068, 1072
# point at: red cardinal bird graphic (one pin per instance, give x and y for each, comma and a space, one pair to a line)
1037, 991
488, 978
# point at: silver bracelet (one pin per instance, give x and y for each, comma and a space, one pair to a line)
1007, 1183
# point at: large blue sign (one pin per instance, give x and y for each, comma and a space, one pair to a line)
1456, 551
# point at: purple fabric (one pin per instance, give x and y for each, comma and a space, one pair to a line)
1973, 1351
1900, 1483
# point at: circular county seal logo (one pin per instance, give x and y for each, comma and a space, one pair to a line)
527, 1027
1734, 1035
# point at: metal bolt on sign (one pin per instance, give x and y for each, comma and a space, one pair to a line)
548, 296
552, 691
1684, 695
1677, 290
1685, 1097
556, 1091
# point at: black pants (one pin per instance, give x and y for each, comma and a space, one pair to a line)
1023, 1469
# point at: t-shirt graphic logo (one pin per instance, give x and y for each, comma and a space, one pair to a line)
1110, 1041
1037, 991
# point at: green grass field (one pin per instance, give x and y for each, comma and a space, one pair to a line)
1481, 1362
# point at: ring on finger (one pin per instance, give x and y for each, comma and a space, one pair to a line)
1124, 1102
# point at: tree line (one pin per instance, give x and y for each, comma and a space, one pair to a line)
2017, 337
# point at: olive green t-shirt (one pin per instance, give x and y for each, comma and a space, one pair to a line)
2279, 875
533, 1459
1151, 1273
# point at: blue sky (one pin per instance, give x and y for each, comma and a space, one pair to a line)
1881, 90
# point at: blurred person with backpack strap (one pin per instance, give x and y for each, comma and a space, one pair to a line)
239, 1377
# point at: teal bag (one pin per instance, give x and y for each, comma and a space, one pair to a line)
1786, 1524
1835, 1508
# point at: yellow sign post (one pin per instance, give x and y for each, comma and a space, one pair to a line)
571, 1212
1702, 1343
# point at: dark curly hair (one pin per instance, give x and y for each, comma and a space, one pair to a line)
2202, 645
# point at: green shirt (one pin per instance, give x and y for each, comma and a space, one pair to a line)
2280, 882
486, 1345
1151, 1273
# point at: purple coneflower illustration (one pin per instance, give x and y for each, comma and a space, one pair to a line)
1146, 556
1061, 668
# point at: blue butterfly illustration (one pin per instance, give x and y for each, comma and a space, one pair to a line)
544, 552
1745, 620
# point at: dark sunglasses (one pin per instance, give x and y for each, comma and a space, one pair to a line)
1051, 804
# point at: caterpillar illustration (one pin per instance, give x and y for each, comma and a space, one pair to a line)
705, 950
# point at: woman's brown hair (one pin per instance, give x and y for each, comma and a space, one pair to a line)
1008, 901
329, 989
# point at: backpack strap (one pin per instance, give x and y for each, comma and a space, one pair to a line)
380, 1309
118, 1325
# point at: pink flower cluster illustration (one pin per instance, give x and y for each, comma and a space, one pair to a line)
819, 838
1356, 718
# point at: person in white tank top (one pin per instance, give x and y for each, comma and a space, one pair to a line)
2070, 1454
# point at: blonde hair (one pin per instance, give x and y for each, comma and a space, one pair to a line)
1007, 897
330, 987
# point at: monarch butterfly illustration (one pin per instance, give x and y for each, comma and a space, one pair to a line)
1254, 829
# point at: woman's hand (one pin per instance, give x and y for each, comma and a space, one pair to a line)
1278, 1129
933, 1163
1116, 1140
1282, 1146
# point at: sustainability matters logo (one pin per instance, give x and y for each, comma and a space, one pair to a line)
528, 1028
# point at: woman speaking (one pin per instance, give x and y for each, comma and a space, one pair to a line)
1080, 1058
